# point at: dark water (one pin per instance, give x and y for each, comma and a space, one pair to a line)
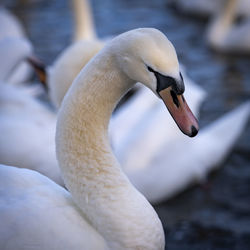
216, 214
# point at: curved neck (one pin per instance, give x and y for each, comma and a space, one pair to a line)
90, 170
222, 22
84, 25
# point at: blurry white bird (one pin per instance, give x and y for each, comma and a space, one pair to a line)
27, 127
10, 27
190, 159
205, 8
27, 131
227, 36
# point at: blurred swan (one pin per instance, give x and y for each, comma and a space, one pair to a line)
226, 36
27, 131
10, 27
84, 24
206, 8
27, 127
151, 175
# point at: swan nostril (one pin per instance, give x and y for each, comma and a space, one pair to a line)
175, 99
194, 131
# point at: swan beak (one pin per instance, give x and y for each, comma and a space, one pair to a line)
179, 110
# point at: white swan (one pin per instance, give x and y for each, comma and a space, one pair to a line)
205, 8
67, 66
226, 36
200, 155
84, 23
10, 27
27, 131
102, 193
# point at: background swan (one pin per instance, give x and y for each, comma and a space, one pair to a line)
225, 35
199, 156
10, 27
27, 131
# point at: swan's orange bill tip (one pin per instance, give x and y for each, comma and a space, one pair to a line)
180, 112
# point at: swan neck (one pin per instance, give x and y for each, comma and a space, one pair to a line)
89, 168
84, 24
222, 22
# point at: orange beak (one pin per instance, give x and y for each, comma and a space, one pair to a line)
180, 111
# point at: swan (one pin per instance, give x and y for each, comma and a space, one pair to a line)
84, 23
200, 155
27, 131
101, 196
205, 8
10, 27
225, 36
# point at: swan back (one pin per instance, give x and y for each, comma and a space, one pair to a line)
67, 66
27, 132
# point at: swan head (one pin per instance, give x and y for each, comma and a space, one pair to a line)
146, 55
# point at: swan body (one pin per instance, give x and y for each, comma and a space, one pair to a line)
200, 156
10, 27
225, 36
84, 23
27, 132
